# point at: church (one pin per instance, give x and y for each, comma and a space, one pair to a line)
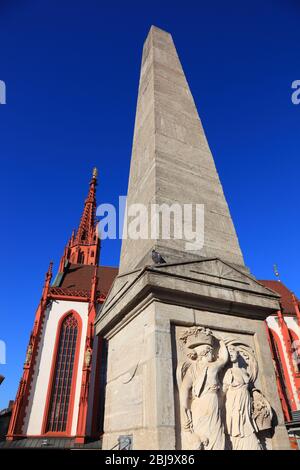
182, 350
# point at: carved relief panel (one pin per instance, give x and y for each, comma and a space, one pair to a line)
220, 405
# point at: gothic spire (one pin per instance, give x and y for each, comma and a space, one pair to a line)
84, 244
86, 229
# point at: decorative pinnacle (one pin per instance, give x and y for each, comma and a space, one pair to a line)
50, 268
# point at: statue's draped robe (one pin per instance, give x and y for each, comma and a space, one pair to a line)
205, 407
239, 424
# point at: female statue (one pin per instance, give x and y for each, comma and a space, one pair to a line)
238, 380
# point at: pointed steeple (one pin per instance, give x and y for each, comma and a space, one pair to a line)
172, 163
84, 244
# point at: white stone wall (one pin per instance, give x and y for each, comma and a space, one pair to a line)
35, 410
293, 325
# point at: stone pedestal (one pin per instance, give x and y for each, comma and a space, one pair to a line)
163, 391
145, 316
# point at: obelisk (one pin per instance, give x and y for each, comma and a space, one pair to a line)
179, 332
171, 160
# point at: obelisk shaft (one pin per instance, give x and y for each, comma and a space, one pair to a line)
171, 161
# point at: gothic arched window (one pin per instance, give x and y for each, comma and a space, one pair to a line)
64, 369
295, 344
282, 373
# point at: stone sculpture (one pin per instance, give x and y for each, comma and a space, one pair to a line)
200, 378
222, 409
237, 382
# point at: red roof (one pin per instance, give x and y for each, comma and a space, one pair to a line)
286, 295
79, 277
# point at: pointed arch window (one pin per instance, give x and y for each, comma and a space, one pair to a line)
64, 369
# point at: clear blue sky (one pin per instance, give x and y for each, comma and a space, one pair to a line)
72, 67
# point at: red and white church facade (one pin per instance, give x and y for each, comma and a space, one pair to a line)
61, 392
284, 338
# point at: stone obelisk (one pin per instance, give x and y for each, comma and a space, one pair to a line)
181, 333
171, 160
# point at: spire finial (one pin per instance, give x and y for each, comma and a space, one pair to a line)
95, 172
276, 272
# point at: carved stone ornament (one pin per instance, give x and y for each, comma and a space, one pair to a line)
88, 357
28, 354
221, 408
